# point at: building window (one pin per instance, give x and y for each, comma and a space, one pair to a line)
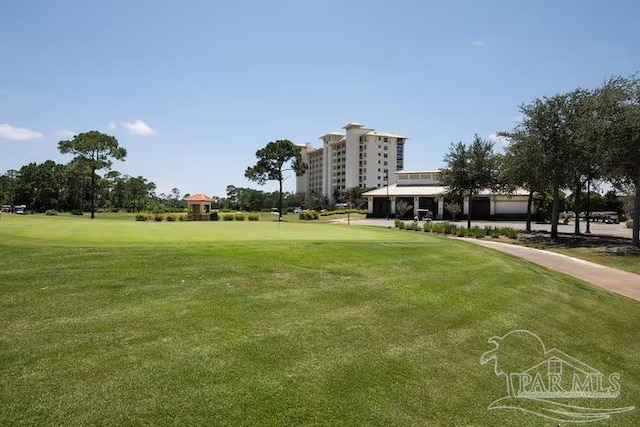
386, 155
385, 163
386, 140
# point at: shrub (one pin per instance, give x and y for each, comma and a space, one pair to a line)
495, 234
158, 217
141, 217
227, 217
427, 227
239, 217
401, 225
480, 233
171, 218
182, 217
449, 228
629, 223
414, 226
78, 212
308, 215
51, 212
510, 233
397, 223
253, 217
213, 216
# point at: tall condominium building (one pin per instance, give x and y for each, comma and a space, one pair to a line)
358, 157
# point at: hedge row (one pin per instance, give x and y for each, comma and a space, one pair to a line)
343, 212
447, 227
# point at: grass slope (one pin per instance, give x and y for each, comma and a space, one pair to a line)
111, 322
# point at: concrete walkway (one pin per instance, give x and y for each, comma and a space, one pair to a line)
612, 279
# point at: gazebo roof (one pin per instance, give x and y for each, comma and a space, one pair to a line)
199, 197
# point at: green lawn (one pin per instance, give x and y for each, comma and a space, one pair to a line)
237, 323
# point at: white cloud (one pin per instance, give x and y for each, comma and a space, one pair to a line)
477, 43
21, 134
494, 137
138, 127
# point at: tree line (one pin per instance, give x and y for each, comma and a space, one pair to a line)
565, 142
67, 187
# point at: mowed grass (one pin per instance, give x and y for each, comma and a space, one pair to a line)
113, 322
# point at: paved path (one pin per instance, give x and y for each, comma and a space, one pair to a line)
612, 279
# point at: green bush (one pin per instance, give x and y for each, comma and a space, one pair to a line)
141, 217
51, 212
428, 226
78, 212
239, 217
182, 217
171, 218
343, 212
253, 217
414, 226
308, 215
495, 234
510, 232
213, 216
158, 217
480, 233
398, 223
629, 223
449, 228
227, 217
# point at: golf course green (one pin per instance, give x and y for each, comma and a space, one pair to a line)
108, 322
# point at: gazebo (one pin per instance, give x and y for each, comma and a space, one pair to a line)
199, 207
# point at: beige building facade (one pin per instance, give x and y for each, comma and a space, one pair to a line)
358, 157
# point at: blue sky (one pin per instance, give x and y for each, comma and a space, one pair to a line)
193, 88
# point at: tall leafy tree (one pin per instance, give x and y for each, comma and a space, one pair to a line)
620, 124
544, 121
98, 150
470, 169
139, 191
274, 159
521, 167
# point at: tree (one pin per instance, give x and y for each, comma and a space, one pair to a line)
521, 167
402, 208
620, 102
97, 150
353, 196
470, 169
8, 183
544, 122
454, 209
271, 165
139, 190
